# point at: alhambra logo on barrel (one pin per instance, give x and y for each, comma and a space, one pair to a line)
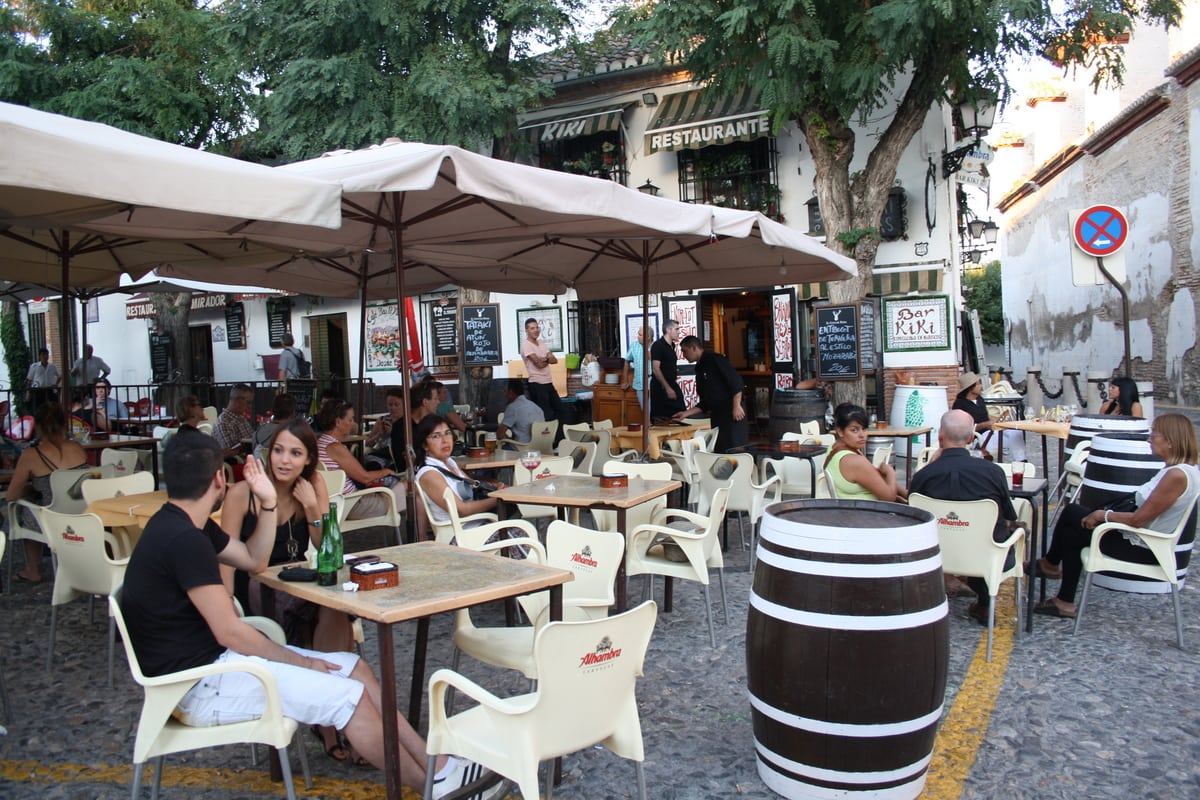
954, 520
71, 536
584, 557
603, 653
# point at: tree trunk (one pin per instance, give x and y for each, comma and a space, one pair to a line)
172, 312
474, 383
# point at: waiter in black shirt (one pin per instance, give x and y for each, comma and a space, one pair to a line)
666, 398
720, 389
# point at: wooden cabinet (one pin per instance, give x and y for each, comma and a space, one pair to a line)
610, 401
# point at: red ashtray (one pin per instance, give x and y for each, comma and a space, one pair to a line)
614, 482
633, 427
477, 452
789, 446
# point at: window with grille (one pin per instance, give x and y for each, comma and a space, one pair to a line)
595, 327
737, 175
37, 332
601, 155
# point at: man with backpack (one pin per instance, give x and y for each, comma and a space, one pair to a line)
292, 363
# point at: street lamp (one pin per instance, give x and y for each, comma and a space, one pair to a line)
977, 116
649, 188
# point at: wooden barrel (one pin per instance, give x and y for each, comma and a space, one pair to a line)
1117, 465
1086, 426
846, 648
790, 407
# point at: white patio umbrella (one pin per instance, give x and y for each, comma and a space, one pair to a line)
150, 202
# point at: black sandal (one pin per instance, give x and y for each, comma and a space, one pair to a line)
336, 751
1049, 608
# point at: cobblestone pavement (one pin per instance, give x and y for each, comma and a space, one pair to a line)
1110, 713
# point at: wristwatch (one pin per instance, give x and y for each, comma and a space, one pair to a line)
316, 523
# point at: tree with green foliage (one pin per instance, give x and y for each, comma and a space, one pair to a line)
154, 67
829, 64
347, 75
983, 291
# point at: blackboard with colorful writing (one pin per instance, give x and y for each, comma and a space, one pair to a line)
837, 343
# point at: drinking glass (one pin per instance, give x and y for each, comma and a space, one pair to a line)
531, 460
1018, 478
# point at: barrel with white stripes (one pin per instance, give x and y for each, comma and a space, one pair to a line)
1117, 465
1087, 426
846, 648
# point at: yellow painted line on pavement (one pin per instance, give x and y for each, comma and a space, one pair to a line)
966, 725
251, 780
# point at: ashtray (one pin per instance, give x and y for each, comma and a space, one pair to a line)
379, 575
789, 446
633, 427
477, 452
614, 482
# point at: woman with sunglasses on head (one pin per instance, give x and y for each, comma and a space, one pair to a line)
1160, 503
290, 464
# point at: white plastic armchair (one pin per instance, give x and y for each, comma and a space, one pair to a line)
335, 481
66, 487
1162, 547
797, 476
160, 734
736, 471
571, 710
84, 567
124, 462
602, 437
696, 536
103, 488
641, 513
965, 530
576, 431
445, 531
541, 438
582, 455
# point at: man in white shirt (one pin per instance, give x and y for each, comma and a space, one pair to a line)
520, 414
43, 380
95, 370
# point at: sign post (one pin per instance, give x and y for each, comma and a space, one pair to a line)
1101, 231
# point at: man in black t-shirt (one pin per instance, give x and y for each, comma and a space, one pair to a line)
180, 616
666, 398
720, 389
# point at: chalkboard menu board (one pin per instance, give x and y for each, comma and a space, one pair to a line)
837, 342
235, 326
160, 357
481, 335
279, 320
866, 336
444, 314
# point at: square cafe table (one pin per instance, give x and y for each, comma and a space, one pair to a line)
497, 459
632, 440
434, 578
763, 450
1030, 490
583, 491
909, 434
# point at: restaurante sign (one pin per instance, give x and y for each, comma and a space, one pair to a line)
140, 307
709, 132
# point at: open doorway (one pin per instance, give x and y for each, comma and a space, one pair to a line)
202, 353
329, 342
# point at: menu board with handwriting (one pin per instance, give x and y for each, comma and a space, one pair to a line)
160, 357
481, 335
279, 320
444, 314
837, 342
235, 326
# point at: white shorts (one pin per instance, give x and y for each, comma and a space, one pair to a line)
307, 696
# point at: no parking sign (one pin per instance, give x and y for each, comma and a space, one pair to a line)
1098, 232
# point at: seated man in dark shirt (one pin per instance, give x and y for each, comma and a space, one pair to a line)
180, 616
955, 475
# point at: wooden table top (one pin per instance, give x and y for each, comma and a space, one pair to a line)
433, 578
1057, 430
100, 442
584, 491
497, 459
129, 509
890, 431
658, 434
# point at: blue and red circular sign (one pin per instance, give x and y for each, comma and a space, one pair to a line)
1101, 231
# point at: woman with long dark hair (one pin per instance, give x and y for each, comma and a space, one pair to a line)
854, 477
1122, 398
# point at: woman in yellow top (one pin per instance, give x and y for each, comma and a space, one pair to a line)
854, 477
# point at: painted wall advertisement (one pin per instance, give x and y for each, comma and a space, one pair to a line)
383, 337
913, 324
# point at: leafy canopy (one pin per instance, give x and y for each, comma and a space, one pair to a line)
983, 291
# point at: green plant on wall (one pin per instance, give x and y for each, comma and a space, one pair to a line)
983, 292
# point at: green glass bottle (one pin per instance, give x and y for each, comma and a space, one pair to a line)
335, 532
327, 556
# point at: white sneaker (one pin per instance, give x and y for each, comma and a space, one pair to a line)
463, 774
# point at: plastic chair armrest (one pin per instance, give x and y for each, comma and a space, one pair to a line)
1012, 539
444, 679
1107, 527
482, 516
648, 533
536, 547
667, 513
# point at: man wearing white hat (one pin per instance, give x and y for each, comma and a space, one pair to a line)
969, 399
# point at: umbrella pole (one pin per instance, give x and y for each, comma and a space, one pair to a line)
410, 517
362, 334
645, 349
64, 329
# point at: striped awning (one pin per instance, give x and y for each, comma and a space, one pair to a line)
698, 119
884, 283
572, 124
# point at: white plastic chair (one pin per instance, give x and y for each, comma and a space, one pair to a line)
576, 431
969, 549
446, 531
696, 536
592, 556
1161, 546
736, 471
84, 567
602, 437
335, 481
160, 734
796, 475
643, 512
882, 455
103, 488
210, 414
571, 710
125, 462
582, 455
66, 489
541, 438
924, 456
553, 465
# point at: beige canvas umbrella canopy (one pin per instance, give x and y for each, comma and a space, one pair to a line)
83, 203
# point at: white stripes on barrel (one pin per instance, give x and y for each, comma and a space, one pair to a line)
847, 541
839, 569
790, 788
850, 622
846, 729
